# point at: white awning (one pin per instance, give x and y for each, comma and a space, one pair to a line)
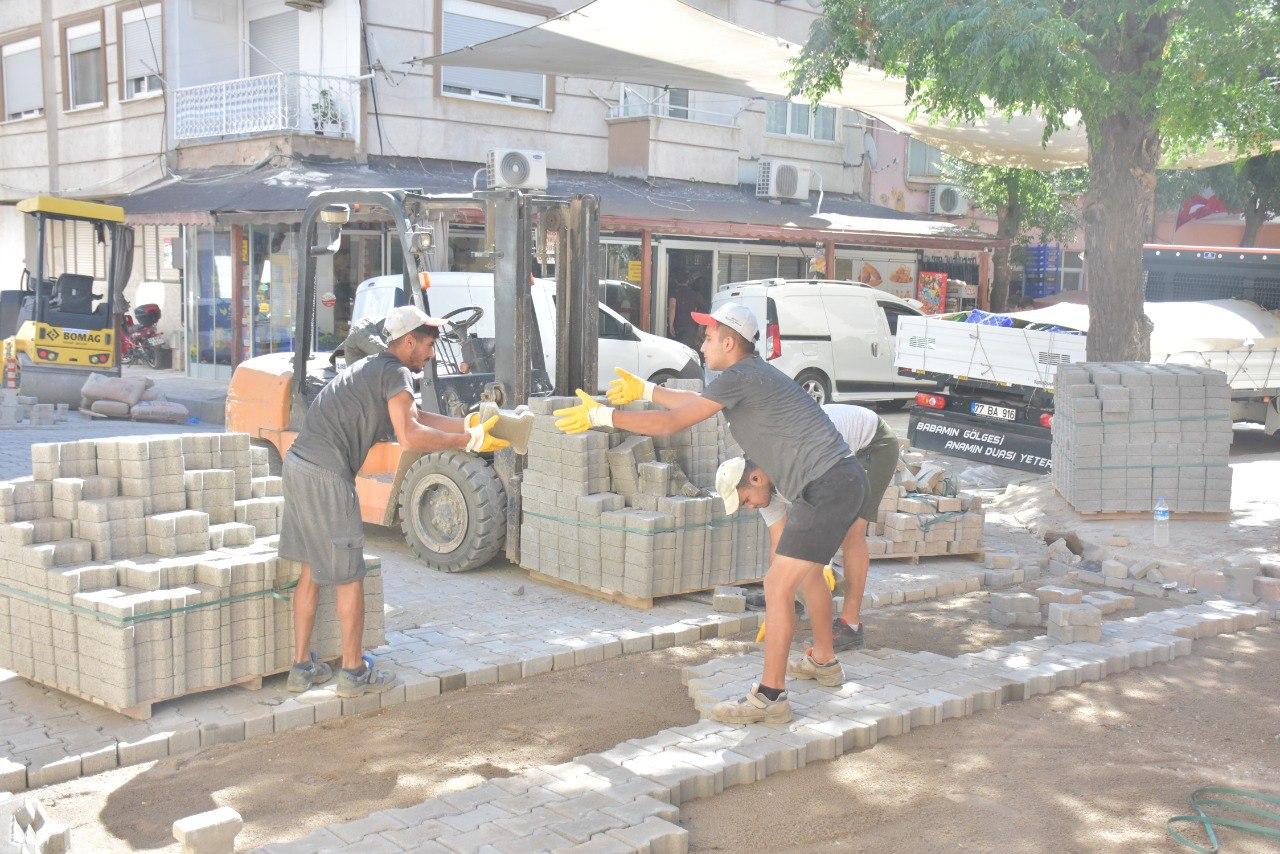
668, 43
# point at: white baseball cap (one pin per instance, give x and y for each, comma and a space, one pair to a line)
403, 319
734, 315
728, 476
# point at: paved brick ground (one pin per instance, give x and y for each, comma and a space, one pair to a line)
627, 798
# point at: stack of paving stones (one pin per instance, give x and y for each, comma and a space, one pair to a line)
1126, 434
622, 514
25, 828
1015, 609
132, 572
922, 514
23, 410
1074, 623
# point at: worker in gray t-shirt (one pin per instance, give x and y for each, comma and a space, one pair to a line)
322, 527
787, 434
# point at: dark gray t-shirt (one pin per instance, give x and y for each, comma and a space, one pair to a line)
780, 428
350, 414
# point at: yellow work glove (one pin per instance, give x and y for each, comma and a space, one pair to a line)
829, 575
472, 419
581, 418
628, 388
481, 442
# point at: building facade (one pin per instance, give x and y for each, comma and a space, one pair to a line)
211, 120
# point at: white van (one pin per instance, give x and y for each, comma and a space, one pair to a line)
621, 344
835, 338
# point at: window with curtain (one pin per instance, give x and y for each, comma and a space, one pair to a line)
464, 23
21, 83
923, 161
141, 49
86, 86
792, 118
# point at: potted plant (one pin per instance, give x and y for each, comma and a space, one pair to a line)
325, 115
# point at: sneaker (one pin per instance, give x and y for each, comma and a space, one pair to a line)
755, 708
831, 675
846, 637
366, 680
308, 674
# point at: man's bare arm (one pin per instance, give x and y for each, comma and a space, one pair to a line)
775, 534
672, 398
690, 409
443, 423
414, 435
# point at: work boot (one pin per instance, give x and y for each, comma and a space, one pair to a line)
831, 674
846, 637
366, 680
305, 675
755, 708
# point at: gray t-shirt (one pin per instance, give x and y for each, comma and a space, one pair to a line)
780, 428
350, 414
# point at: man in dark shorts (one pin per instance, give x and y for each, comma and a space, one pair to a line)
741, 482
786, 432
322, 528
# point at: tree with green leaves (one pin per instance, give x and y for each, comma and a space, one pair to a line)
1250, 186
1150, 79
1026, 204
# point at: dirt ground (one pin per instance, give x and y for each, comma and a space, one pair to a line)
348, 768
1095, 768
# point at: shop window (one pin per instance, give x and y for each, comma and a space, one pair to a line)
209, 297
464, 23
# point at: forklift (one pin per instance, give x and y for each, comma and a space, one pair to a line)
456, 510
58, 330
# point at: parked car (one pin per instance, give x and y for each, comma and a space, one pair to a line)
621, 344
835, 338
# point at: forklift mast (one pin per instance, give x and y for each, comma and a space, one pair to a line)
517, 227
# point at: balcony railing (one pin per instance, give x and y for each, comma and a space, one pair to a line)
636, 102
289, 102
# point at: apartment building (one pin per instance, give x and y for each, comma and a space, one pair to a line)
211, 121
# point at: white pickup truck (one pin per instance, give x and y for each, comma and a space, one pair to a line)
995, 397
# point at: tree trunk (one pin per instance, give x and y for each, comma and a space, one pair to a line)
1118, 208
1008, 222
1254, 218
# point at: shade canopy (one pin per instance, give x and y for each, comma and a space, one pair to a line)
669, 43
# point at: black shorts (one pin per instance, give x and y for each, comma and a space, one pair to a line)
820, 516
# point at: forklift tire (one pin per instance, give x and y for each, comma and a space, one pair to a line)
453, 511
273, 456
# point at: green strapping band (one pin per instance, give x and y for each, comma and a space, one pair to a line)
1211, 820
274, 592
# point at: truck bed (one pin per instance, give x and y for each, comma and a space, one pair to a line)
992, 354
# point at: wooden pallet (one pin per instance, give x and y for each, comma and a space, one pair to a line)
914, 560
142, 711
618, 597
1126, 516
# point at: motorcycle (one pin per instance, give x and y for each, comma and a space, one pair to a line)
139, 339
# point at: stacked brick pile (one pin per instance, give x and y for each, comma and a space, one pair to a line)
1126, 434
129, 594
626, 514
922, 514
18, 409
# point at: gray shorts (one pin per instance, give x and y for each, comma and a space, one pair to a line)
880, 460
823, 513
321, 526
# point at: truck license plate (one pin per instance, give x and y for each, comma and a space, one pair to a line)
1004, 413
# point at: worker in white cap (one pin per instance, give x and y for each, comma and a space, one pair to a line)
322, 528
785, 431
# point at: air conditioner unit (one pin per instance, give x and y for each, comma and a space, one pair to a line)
305, 5
948, 200
515, 169
782, 179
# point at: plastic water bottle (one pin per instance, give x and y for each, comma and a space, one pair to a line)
1160, 522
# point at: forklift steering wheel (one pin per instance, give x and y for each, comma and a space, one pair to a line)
468, 316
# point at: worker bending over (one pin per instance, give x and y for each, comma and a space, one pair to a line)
321, 527
742, 482
787, 434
